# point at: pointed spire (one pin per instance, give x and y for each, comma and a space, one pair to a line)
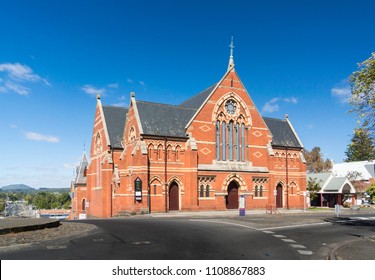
231, 60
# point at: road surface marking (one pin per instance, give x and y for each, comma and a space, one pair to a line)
293, 226
302, 252
289, 240
297, 246
141, 243
55, 247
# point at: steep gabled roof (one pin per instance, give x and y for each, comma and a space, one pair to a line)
80, 175
331, 184
283, 134
197, 100
163, 119
115, 118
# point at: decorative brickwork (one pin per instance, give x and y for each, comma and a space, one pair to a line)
199, 155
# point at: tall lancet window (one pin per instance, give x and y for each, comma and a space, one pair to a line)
218, 140
243, 142
238, 142
224, 144
230, 140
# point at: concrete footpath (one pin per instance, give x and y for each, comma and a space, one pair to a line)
360, 248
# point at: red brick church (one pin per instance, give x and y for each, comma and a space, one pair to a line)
200, 155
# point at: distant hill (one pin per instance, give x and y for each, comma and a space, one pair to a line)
17, 187
27, 189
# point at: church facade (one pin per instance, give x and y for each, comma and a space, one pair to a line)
211, 152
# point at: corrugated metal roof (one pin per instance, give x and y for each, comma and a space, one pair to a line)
115, 118
335, 184
366, 169
320, 177
331, 184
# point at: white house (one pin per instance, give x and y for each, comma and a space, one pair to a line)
361, 174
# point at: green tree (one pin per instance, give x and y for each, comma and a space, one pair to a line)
313, 187
65, 200
2, 204
361, 146
362, 84
315, 162
29, 198
371, 192
40, 201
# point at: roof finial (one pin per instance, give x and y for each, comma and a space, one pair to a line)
231, 60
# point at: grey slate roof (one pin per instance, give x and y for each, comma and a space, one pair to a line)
164, 120
115, 118
170, 120
283, 134
80, 178
197, 100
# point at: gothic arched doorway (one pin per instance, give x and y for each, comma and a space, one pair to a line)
231, 199
174, 197
279, 196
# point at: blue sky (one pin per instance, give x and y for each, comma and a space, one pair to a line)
294, 57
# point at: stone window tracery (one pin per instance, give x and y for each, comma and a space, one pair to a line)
230, 132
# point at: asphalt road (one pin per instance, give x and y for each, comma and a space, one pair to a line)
262, 237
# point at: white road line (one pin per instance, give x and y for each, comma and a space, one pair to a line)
289, 240
280, 236
55, 247
302, 252
268, 232
225, 223
294, 226
298, 246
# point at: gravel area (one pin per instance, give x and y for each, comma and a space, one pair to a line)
34, 236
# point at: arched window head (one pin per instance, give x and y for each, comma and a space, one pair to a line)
201, 191
132, 134
207, 191
160, 152
98, 144
150, 151
178, 152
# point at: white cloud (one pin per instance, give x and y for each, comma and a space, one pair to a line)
142, 83
40, 137
292, 100
130, 81
21, 90
114, 85
91, 90
15, 75
342, 92
273, 106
